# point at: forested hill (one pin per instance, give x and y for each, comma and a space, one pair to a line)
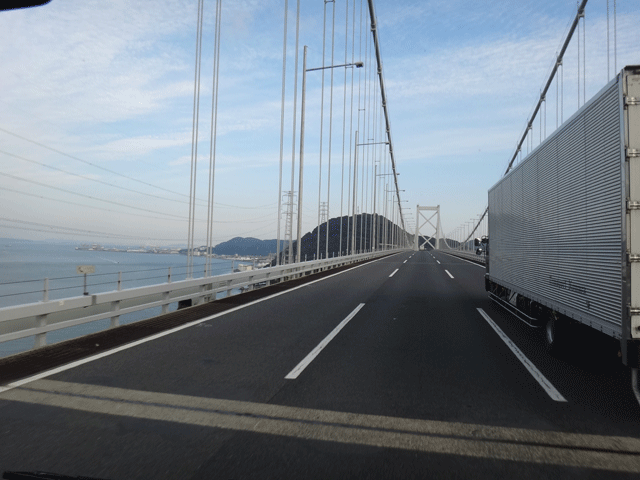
246, 246
241, 246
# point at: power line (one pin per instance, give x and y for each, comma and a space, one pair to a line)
123, 188
82, 205
90, 179
86, 196
89, 233
73, 157
246, 208
249, 220
74, 231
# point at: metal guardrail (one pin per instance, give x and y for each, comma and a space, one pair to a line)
49, 315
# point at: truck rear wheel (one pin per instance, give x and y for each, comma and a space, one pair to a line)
555, 335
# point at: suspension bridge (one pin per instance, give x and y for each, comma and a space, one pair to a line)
363, 345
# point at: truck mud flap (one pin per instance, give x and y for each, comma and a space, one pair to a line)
630, 349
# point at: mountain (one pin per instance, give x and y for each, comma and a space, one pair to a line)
253, 246
241, 246
364, 224
246, 246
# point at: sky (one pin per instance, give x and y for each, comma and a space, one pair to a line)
96, 109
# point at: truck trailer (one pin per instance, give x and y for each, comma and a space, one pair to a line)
564, 226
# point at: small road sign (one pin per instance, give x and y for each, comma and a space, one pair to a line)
84, 269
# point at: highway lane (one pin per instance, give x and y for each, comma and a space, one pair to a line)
416, 384
242, 355
590, 376
420, 349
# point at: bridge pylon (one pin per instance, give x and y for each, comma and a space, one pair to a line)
419, 224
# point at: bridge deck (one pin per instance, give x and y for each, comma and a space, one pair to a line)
416, 384
39, 360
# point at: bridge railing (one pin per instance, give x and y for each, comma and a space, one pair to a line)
37, 319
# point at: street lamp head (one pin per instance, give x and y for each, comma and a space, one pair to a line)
359, 64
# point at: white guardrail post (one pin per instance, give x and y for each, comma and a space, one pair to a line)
115, 306
41, 338
41, 320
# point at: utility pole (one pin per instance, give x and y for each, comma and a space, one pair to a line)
288, 225
324, 220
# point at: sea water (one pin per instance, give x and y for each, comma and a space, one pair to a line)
25, 264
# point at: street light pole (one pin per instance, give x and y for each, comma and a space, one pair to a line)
473, 221
466, 227
470, 223
353, 205
302, 115
304, 86
375, 181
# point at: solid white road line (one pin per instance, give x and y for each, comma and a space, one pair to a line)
293, 374
537, 374
394, 272
449, 273
77, 363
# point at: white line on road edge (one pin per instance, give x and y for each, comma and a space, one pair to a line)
293, 374
449, 273
77, 363
535, 373
394, 272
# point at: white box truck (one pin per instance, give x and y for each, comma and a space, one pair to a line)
564, 225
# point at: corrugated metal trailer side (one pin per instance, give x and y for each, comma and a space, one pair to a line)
564, 224
631, 330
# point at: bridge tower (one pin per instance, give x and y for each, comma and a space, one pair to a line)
419, 224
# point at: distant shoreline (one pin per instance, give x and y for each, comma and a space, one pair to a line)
169, 251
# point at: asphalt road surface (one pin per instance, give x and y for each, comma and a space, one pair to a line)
398, 368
